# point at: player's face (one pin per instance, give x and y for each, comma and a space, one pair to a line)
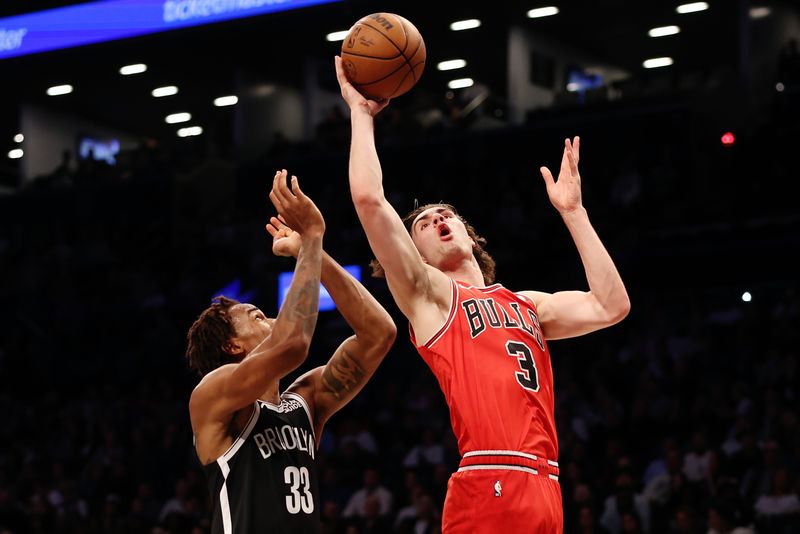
251, 325
441, 237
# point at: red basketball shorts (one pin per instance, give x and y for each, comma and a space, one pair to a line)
504, 492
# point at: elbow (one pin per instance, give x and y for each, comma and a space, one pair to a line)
295, 349
367, 200
387, 335
382, 335
621, 309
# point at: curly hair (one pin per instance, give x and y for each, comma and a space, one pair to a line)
208, 334
485, 261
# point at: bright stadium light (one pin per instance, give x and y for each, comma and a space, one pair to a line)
223, 101
465, 25
663, 31
656, 62
16, 153
540, 12
19, 138
694, 7
137, 68
337, 36
460, 83
190, 131
175, 118
58, 90
167, 90
451, 64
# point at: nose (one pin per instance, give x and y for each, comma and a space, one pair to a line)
437, 219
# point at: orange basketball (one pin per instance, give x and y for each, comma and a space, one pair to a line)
383, 56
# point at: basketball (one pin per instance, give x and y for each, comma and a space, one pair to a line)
383, 56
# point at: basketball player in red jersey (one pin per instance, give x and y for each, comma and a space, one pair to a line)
486, 345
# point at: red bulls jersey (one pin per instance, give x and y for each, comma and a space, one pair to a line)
493, 365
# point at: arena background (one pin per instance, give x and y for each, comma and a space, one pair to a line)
683, 418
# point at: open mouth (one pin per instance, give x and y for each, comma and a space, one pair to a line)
444, 231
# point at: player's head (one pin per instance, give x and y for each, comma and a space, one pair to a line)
442, 235
225, 333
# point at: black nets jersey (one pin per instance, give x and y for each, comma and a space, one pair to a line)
266, 482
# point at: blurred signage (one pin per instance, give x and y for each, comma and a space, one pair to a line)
109, 20
325, 301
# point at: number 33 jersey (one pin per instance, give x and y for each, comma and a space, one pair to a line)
267, 480
493, 365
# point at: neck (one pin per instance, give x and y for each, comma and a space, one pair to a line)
272, 394
466, 271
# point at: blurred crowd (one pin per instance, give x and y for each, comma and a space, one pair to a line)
682, 419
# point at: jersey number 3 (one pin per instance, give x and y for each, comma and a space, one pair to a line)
529, 376
296, 477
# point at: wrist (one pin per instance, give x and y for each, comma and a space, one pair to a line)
574, 214
309, 236
360, 113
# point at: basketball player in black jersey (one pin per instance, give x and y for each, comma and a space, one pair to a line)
257, 445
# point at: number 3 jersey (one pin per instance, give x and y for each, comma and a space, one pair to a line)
266, 482
493, 365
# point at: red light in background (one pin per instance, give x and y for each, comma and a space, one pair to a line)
728, 139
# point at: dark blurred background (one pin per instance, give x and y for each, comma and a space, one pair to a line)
116, 231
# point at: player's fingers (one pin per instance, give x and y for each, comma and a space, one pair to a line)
272, 230
573, 165
576, 148
565, 161
296, 188
547, 175
280, 189
276, 201
286, 193
277, 223
275, 182
340, 71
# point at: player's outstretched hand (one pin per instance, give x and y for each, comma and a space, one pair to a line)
565, 194
294, 207
354, 99
285, 241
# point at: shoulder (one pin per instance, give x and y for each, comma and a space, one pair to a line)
305, 387
207, 391
536, 297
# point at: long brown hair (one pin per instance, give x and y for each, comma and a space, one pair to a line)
485, 261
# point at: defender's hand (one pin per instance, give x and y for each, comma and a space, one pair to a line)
294, 207
285, 241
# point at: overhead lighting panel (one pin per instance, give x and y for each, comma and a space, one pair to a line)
694, 7
465, 25
540, 12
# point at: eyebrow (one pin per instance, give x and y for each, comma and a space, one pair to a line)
428, 215
252, 309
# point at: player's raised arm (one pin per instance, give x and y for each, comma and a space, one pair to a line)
232, 387
412, 283
573, 313
355, 361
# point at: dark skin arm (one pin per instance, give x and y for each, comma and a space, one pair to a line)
232, 388
356, 359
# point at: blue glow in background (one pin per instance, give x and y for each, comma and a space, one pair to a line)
325, 300
109, 20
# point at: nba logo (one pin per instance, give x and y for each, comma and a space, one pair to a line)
497, 489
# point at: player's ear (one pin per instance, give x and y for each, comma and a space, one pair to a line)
232, 347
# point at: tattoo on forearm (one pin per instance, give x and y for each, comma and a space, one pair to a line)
302, 301
342, 375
